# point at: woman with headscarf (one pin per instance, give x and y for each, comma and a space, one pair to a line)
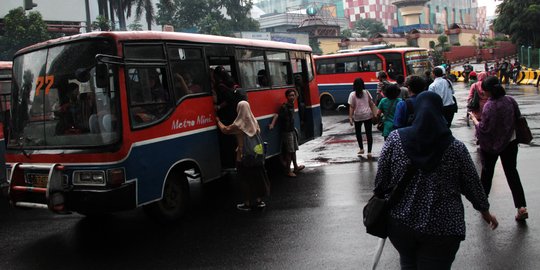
497, 137
254, 183
427, 223
482, 97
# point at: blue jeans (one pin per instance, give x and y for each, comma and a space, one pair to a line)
423, 251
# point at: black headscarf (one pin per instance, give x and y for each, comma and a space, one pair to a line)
429, 136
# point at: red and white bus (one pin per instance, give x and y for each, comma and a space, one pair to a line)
5, 92
92, 133
337, 72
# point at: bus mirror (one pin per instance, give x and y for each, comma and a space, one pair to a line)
102, 76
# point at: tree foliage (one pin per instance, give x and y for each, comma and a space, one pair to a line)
206, 16
369, 27
519, 19
21, 30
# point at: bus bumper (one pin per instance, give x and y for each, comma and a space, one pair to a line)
102, 201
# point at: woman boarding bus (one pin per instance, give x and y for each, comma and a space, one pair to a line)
106, 121
336, 72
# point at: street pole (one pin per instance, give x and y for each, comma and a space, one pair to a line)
529, 56
522, 58
88, 23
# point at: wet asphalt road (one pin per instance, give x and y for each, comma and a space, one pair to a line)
311, 222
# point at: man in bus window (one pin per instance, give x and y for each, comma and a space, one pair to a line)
262, 79
391, 71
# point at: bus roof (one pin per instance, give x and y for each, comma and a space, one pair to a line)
388, 50
121, 36
5, 64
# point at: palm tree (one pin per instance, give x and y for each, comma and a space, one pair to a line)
148, 7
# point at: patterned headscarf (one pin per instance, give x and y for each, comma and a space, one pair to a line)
245, 120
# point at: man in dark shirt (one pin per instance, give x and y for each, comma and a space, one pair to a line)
405, 109
289, 137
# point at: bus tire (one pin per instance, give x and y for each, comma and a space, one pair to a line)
327, 103
174, 203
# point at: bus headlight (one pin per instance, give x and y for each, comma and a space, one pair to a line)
89, 178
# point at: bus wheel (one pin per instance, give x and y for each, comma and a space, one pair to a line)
327, 103
174, 203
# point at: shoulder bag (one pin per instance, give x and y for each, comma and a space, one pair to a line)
523, 132
374, 109
377, 211
474, 103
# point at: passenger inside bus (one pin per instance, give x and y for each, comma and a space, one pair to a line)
68, 111
262, 79
184, 83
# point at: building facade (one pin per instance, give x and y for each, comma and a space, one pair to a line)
381, 10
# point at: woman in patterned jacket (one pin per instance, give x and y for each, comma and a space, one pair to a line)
427, 224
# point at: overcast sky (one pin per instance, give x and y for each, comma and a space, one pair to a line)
490, 4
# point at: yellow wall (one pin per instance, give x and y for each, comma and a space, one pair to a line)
466, 39
423, 41
329, 45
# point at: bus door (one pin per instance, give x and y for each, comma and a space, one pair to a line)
396, 62
301, 81
222, 58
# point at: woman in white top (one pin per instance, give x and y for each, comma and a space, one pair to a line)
360, 104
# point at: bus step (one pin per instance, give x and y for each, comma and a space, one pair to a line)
31, 205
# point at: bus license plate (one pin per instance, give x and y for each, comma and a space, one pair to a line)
37, 180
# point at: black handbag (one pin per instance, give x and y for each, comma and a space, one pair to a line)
474, 103
377, 211
523, 132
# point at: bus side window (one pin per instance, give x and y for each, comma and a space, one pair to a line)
188, 71
149, 96
252, 71
370, 63
279, 68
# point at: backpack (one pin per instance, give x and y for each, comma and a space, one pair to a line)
253, 151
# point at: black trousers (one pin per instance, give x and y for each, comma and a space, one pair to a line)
448, 113
509, 163
422, 251
368, 125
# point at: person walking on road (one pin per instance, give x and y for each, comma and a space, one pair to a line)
253, 181
360, 113
496, 135
427, 225
405, 109
289, 136
482, 96
443, 87
387, 108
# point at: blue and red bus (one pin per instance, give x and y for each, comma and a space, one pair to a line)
5, 93
336, 72
101, 121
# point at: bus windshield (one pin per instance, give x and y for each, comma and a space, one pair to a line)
56, 102
417, 62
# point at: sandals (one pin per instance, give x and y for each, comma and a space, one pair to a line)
522, 214
299, 168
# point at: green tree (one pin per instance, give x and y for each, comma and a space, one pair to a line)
519, 19
101, 23
21, 30
369, 27
205, 16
